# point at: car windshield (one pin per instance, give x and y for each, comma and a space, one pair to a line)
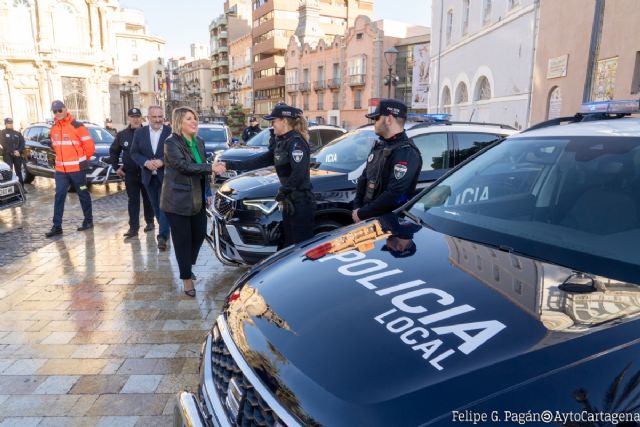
572, 201
213, 134
346, 153
260, 140
100, 135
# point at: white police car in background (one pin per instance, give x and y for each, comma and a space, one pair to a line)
11, 192
509, 287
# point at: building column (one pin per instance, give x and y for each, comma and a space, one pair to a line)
43, 90
6, 80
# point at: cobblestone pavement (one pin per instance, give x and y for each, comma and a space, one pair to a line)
95, 330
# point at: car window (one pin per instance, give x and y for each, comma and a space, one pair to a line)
314, 140
434, 150
100, 135
45, 134
468, 144
213, 134
346, 153
328, 135
32, 133
261, 139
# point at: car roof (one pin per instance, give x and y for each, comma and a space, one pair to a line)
46, 124
333, 127
625, 126
213, 125
461, 128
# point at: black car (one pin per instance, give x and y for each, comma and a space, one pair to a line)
11, 192
319, 136
40, 157
216, 137
247, 223
506, 292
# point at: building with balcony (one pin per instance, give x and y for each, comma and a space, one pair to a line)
337, 80
233, 24
56, 50
571, 70
194, 87
241, 81
139, 73
276, 21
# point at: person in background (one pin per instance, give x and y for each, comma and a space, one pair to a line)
252, 130
12, 143
131, 174
108, 125
186, 192
73, 146
289, 152
393, 167
147, 150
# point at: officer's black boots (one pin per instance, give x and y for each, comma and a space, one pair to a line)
55, 231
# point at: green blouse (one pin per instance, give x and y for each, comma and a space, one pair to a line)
193, 144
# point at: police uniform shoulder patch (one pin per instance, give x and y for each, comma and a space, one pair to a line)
400, 170
297, 154
370, 158
126, 143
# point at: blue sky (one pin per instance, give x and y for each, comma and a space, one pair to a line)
195, 16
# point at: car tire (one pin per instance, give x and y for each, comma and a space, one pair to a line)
27, 178
324, 225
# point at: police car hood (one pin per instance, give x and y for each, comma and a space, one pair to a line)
367, 334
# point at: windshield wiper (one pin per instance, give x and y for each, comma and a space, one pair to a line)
416, 219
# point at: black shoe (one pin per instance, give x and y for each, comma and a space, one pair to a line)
149, 227
191, 292
162, 243
130, 233
55, 231
84, 227
193, 277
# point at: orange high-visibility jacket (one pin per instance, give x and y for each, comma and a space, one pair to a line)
72, 143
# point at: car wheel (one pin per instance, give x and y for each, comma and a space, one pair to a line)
27, 178
323, 225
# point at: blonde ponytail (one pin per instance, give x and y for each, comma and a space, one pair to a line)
300, 125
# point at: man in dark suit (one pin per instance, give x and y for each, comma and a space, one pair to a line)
147, 150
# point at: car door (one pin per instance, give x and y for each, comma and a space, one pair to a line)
40, 156
435, 149
315, 142
328, 135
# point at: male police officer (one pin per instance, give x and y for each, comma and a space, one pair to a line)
132, 175
252, 130
108, 125
12, 143
393, 166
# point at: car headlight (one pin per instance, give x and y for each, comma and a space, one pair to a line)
265, 205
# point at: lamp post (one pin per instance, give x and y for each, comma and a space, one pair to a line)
234, 87
127, 89
390, 57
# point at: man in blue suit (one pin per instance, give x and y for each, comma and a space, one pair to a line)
147, 150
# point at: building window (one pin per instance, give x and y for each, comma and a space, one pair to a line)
19, 28
359, 36
446, 100
357, 99
134, 57
465, 17
66, 25
449, 26
513, 3
483, 90
462, 94
320, 101
554, 104
75, 96
335, 104
635, 83
486, 11
305, 102
134, 44
320, 73
293, 100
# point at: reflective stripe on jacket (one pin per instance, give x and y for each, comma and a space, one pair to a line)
72, 143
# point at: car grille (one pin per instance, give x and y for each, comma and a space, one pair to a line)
224, 205
253, 410
252, 238
5, 175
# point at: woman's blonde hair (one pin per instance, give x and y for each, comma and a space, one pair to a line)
177, 116
299, 125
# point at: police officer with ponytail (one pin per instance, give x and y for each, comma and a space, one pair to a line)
393, 166
289, 152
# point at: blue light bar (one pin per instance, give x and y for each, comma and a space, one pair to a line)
415, 117
630, 106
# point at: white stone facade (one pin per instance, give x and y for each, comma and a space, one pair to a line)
482, 60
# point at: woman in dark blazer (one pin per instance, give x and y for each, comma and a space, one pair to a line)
185, 191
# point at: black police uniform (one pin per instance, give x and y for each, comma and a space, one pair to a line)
390, 177
290, 154
250, 132
132, 179
12, 140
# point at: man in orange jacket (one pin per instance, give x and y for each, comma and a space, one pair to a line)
74, 147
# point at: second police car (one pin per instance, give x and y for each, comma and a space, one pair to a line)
506, 292
246, 219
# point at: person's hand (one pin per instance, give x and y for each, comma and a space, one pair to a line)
16, 153
354, 215
120, 172
159, 163
219, 168
209, 201
151, 165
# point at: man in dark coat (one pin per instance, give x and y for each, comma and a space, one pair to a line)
12, 143
131, 174
252, 130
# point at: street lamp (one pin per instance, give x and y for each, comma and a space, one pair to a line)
234, 87
127, 89
390, 57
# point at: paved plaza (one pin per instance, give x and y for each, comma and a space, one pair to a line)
95, 330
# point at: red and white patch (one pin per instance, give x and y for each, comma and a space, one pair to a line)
400, 170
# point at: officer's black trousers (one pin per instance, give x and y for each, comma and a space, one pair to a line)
15, 163
133, 182
299, 226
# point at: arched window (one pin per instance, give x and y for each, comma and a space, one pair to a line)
554, 103
462, 94
446, 100
65, 25
483, 90
20, 23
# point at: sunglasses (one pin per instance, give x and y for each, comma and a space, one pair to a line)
58, 111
